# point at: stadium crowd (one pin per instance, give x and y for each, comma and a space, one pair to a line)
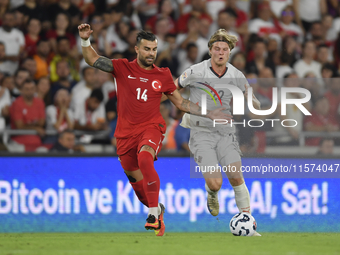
46, 84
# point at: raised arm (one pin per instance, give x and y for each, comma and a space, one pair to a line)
90, 55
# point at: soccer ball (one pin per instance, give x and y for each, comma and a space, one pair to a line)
242, 224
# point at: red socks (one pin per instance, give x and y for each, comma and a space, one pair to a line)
150, 181
138, 187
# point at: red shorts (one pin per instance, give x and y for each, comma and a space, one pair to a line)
128, 148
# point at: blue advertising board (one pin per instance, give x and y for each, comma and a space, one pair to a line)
92, 194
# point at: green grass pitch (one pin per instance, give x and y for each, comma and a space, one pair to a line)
171, 243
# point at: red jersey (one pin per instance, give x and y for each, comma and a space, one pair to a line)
139, 93
29, 114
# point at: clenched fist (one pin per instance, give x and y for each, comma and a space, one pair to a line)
85, 31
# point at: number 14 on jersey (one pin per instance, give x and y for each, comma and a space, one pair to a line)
144, 96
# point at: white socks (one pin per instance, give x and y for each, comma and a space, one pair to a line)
213, 193
155, 211
242, 198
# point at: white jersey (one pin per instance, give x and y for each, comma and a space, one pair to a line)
203, 80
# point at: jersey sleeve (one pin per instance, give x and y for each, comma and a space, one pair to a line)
184, 79
116, 63
170, 86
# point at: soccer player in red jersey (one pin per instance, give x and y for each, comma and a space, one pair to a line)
140, 126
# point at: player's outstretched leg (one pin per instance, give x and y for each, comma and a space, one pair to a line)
212, 186
242, 197
151, 185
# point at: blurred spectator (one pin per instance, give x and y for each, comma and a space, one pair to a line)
227, 20
4, 7
13, 40
90, 115
182, 135
283, 69
312, 83
162, 29
65, 80
20, 76
191, 56
63, 45
168, 57
290, 135
30, 65
28, 112
5, 103
105, 82
204, 28
8, 83
98, 35
111, 116
307, 63
320, 121
165, 10
263, 26
317, 34
287, 25
333, 96
83, 89
260, 62
326, 147
31, 10
328, 71
213, 7
193, 36
5, 66
278, 7
32, 36
146, 9
323, 54
333, 7
266, 82
291, 50
198, 11
63, 6
43, 51
66, 143
238, 60
43, 90
61, 29
59, 116
242, 18
130, 53
330, 33
169, 136
310, 11
116, 36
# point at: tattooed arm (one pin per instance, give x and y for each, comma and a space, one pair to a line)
90, 55
187, 106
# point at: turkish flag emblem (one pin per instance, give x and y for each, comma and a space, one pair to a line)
156, 85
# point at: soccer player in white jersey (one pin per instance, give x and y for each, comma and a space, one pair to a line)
216, 145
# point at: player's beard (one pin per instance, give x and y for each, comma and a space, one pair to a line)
144, 62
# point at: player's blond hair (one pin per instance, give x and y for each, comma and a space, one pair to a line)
222, 35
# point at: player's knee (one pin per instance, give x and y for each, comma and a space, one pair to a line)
215, 184
236, 181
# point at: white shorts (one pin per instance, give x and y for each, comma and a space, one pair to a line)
211, 149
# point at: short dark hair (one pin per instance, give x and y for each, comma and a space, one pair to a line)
191, 45
2, 43
60, 38
98, 94
146, 36
229, 11
84, 70
66, 131
29, 80
42, 40
20, 70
